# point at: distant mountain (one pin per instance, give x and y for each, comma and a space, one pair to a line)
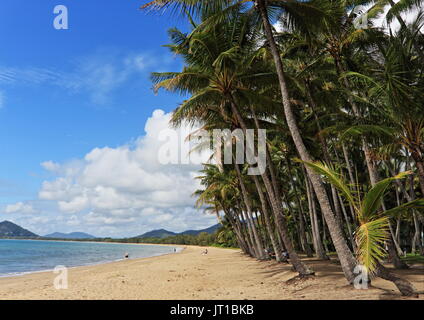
72, 235
162, 233
209, 230
10, 230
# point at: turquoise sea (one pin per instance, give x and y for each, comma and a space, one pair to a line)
24, 256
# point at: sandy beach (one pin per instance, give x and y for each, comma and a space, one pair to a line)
221, 274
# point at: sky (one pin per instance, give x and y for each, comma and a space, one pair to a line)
80, 124
79, 121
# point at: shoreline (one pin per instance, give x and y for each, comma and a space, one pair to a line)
24, 273
85, 265
222, 274
87, 241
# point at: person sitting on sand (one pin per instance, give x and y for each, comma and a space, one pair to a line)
205, 252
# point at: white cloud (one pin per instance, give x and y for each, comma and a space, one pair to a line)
2, 99
408, 17
20, 207
27, 75
73, 221
126, 190
50, 166
379, 22
101, 73
98, 75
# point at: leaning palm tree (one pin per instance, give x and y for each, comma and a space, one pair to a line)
299, 11
223, 75
372, 232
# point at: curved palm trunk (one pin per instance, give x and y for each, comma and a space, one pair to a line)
318, 246
345, 255
274, 243
249, 228
304, 240
237, 230
404, 286
351, 178
246, 227
279, 217
259, 246
349, 228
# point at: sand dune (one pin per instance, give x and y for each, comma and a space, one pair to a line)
222, 274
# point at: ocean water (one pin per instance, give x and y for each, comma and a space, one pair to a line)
24, 256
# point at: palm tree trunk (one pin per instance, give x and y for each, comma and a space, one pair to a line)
239, 236
280, 219
351, 178
247, 235
372, 170
345, 255
416, 238
419, 162
324, 236
349, 228
274, 243
318, 246
259, 247
250, 239
397, 233
325, 152
405, 287
304, 240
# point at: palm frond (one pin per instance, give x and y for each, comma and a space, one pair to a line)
373, 198
370, 238
334, 178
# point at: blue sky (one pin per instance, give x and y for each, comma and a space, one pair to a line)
65, 93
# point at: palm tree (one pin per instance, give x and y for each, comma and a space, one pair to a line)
346, 258
373, 223
238, 73
396, 86
221, 65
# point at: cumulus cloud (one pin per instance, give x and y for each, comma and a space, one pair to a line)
50, 166
19, 207
127, 188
